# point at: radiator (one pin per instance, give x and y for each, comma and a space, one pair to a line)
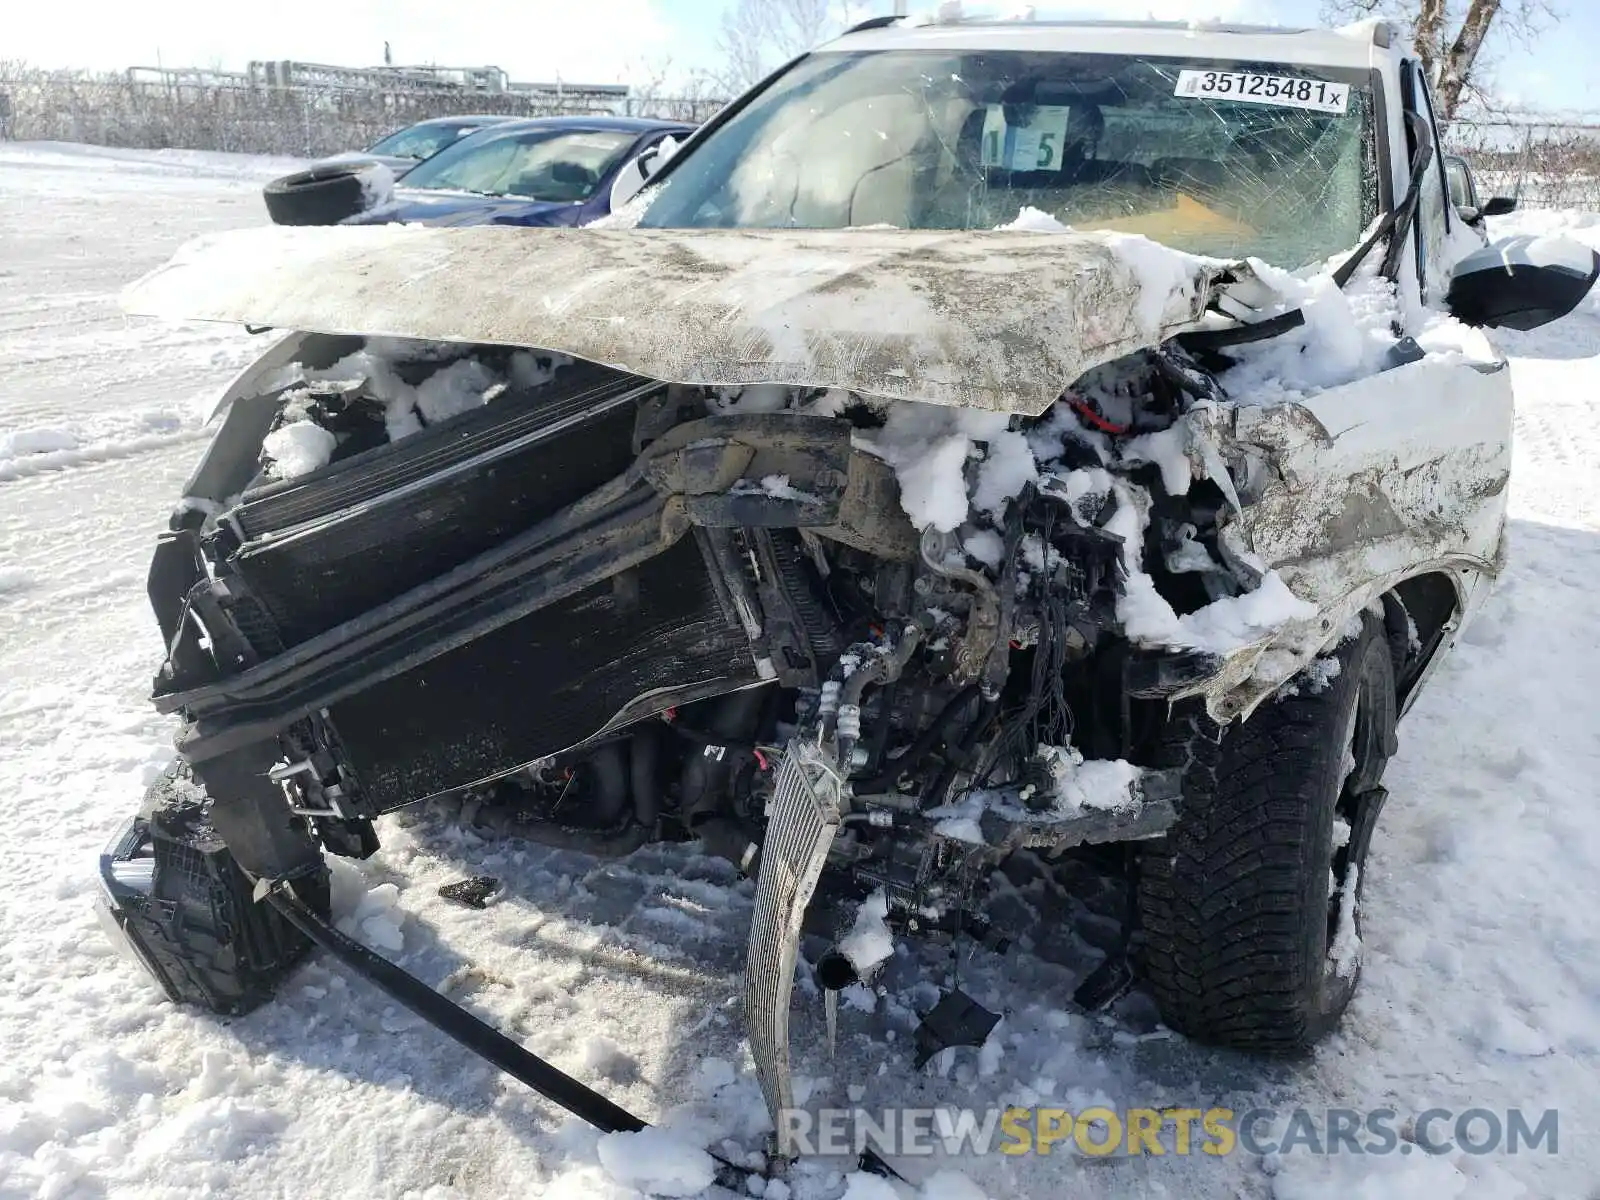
802, 818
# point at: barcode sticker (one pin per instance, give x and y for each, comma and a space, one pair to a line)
1285, 91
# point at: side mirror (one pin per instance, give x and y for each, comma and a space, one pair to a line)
1522, 282
1499, 206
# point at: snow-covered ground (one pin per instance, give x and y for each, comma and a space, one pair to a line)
1481, 985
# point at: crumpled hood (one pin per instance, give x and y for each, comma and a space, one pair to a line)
997, 320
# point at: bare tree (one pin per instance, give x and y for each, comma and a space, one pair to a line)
758, 36
1449, 37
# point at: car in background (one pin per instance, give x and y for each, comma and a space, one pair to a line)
405, 148
535, 171
545, 171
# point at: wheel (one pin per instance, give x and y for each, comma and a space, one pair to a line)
1249, 907
174, 897
323, 195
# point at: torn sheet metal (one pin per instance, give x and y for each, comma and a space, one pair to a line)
994, 320
1349, 492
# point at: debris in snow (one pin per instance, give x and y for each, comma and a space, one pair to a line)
656, 1161
869, 941
959, 821
297, 448
1220, 627
471, 893
859, 997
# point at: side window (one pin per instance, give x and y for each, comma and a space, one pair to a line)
1433, 205
1463, 192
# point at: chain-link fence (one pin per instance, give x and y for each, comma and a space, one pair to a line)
115, 110
1548, 164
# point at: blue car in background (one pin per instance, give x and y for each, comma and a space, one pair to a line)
403, 149
545, 171
536, 171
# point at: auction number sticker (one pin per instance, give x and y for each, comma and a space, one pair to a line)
1285, 91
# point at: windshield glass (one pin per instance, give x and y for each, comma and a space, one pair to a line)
1229, 159
422, 141
534, 164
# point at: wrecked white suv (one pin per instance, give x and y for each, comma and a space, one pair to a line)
979, 439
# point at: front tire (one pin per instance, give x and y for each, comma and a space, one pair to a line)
1249, 907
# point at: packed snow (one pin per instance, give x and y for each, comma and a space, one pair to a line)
869, 941
1480, 963
374, 378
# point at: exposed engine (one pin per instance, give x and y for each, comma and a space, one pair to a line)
969, 689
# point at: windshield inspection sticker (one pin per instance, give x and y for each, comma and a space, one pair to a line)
1284, 91
1036, 145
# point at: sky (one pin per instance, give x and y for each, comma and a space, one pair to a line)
609, 41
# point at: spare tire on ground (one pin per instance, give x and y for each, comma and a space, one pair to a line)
327, 194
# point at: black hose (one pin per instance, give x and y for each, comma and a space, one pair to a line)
962, 751
919, 748
705, 780
610, 785
645, 750
456, 1022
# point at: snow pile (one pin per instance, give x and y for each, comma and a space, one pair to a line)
870, 940
298, 448
376, 375
1101, 785
1220, 627
929, 446
1346, 948
657, 1162
377, 185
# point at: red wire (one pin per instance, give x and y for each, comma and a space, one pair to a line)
1081, 407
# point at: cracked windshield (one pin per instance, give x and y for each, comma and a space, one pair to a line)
1226, 159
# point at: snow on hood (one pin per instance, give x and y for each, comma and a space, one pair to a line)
1002, 320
